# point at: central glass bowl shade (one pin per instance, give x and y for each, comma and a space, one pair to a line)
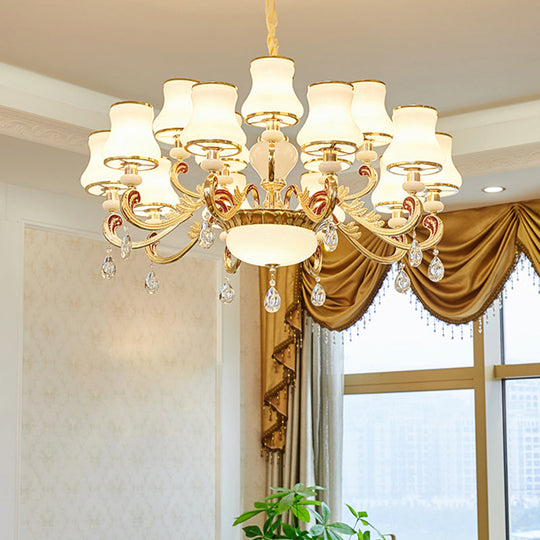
270, 244
272, 94
213, 124
131, 141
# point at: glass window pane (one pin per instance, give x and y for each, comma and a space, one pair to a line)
409, 461
521, 343
397, 339
523, 443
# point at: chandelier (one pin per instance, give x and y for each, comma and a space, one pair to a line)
274, 223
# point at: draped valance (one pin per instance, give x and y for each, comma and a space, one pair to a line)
479, 250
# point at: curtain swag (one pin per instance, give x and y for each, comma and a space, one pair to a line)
479, 250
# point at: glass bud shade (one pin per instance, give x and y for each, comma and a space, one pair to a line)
447, 181
156, 190
285, 158
213, 123
402, 283
226, 293
176, 110
369, 112
414, 146
329, 122
97, 175
131, 141
389, 192
272, 94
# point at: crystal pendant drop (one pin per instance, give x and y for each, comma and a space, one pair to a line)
330, 237
436, 267
125, 247
207, 235
272, 300
226, 293
402, 282
415, 254
318, 295
108, 268
151, 283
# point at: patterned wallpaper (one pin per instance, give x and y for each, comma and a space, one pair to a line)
118, 409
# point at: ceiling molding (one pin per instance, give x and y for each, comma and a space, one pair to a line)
47, 131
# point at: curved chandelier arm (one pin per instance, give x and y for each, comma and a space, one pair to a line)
220, 202
319, 206
434, 225
252, 188
314, 268
372, 176
113, 221
352, 237
132, 197
151, 251
178, 168
230, 266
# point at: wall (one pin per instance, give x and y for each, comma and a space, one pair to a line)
100, 437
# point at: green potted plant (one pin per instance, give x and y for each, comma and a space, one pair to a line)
287, 509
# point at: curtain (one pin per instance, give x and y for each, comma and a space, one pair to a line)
315, 420
479, 250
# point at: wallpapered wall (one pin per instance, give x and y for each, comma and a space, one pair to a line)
118, 406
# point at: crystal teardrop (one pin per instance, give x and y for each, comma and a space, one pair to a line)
108, 268
151, 283
415, 254
402, 282
318, 295
226, 293
330, 237
272, 300
436, 269
125, 247
207, 235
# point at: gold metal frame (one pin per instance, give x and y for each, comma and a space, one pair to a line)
283, 118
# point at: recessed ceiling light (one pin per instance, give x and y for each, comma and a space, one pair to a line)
493, 189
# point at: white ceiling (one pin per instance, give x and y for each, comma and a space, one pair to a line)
458, 56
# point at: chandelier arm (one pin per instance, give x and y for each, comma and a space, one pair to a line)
113, 221
224, 196
178, 168
435, 226
230, 266
372, 176
152, 254
398, 254
305, 200
131, 197
252, 188
314, 268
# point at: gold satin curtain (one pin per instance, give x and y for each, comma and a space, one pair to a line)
479, 249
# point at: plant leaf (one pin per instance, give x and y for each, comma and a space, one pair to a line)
298, 487
301, 513
252, 531
289, 530
352, 510
342, 528
245, 516
285, 504
367, 535
333, 535
325, 512
317, 530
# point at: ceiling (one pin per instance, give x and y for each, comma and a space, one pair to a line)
458, 56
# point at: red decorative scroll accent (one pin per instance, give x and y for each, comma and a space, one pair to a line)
180, 167
153, 247
364, 170
133, 198
318, 202
223, 199
399, 238
409, 204
431, 223
113, 222
252, 188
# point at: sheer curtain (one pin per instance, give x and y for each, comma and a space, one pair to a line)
314, 438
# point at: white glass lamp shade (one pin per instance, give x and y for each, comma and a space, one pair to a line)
213, 124
285, 158
448, 181
389, 193
414, 146
156, 190
236, 163
97, 177
131, 141
369, 112
313, 181
176, 111
272, 94
269, 244
312, 163
329, 123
